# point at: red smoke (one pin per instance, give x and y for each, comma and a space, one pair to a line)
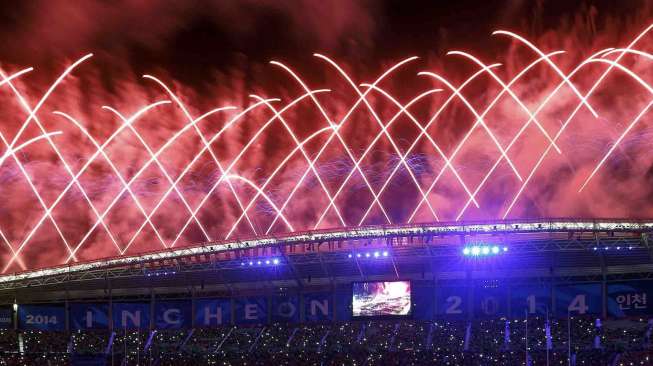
359, 162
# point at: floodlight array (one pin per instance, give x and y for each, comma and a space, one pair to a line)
377, 254
483, 250
260, 262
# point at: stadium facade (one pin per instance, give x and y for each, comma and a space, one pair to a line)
475, 269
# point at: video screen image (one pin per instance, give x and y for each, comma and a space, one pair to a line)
381, 298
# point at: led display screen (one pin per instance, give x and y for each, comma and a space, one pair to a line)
372, 299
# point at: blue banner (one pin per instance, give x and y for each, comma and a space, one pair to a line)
131, 315
212, 312
423, 299
318, 307
285, 309
251, 310
343, 304
6, 318
490, 301
578, 299
534, 299
630, 298
452, 301
42, 317
89, 316
172, 314
88, 360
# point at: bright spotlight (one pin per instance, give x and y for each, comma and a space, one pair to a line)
376, 254
358, 255
348, 255
385, 253
275, 261
483, 250
267, 261
367, 255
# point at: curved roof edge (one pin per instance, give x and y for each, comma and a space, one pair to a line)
363, 232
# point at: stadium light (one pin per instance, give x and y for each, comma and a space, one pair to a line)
260, 262
483, 250
376, 254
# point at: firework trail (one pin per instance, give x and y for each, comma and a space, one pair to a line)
539, 133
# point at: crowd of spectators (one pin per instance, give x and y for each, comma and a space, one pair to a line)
89, 342
536, 341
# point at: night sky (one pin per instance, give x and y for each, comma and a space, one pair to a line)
186, 37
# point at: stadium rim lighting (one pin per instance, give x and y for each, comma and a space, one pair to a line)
457, 228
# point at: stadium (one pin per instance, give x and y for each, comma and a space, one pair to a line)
485, 202
474, 293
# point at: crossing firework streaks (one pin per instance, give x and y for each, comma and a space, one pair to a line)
538, 132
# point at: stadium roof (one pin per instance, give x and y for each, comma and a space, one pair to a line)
538, 248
